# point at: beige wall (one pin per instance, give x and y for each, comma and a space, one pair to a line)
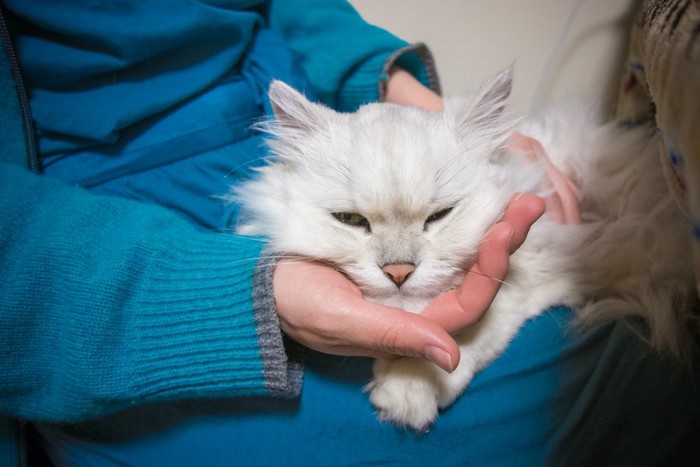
473, 39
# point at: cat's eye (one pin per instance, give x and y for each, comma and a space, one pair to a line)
436, 216
352, 218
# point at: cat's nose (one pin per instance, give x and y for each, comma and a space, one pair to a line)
399, 272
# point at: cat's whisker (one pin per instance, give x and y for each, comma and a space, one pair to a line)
272, 256
265, 159
502, 282
399, 163
234, 239
311, 263
251, 260
454, 175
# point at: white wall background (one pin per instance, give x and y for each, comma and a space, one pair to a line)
473, 39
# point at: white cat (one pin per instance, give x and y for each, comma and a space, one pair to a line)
399, 199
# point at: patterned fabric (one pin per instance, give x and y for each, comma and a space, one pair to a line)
663, 83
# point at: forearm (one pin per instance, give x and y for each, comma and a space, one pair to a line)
107, 303
346, 60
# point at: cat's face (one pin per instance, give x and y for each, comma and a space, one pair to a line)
396, 197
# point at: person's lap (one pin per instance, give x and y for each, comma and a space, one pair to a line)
551, 397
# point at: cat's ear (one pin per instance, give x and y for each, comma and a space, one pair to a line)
484, 111
293, 110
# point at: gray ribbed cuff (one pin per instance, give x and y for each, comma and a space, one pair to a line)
283, 359
418, 60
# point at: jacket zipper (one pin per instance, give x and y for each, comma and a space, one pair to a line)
25, 109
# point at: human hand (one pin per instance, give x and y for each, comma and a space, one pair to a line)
323, 310
457, 309
563, 204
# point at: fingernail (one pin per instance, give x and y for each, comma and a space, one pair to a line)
439, 357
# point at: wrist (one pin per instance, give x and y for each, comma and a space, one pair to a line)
404, 89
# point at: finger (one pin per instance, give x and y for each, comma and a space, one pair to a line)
555, 209
457, 309
568, 196
522, 211
565, 209
460, 308
320, 308
380, 331
564, 206
518, 143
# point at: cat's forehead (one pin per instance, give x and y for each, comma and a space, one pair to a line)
389, 121
399, 161
387, 160
394, 139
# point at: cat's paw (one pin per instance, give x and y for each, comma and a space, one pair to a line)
406, 392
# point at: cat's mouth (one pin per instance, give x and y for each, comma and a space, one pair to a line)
379, 287
403, 285
411, 290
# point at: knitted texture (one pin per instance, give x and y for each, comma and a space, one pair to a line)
148, 308
108, 303
344, 67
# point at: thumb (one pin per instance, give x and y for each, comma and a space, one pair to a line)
392, 331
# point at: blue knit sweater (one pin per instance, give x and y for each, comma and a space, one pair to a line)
106, 302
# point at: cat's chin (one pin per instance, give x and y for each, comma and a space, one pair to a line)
411, 297
412, 303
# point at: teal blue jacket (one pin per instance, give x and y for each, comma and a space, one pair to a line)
119, 287
120, 290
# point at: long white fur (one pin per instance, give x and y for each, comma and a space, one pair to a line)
398, 165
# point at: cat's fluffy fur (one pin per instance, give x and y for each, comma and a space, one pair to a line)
396, 166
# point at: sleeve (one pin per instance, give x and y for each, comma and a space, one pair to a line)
107, 303
346, 59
